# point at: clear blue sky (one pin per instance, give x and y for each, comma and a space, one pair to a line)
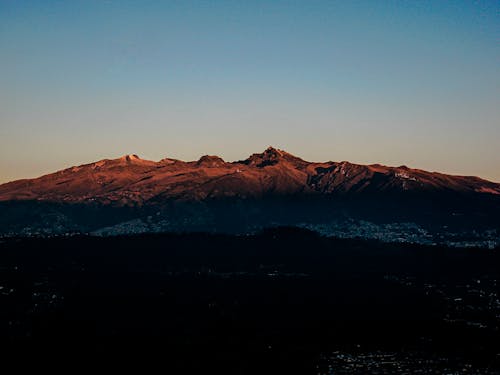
392, 82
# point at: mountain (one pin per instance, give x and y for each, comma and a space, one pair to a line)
131, 180
269, 187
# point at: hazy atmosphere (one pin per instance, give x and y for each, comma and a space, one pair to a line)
415, 83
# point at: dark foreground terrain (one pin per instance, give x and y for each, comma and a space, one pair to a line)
284, 301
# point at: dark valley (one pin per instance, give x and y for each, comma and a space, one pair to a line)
284, 301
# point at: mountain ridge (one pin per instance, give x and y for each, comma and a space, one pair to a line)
130, 195
132, 180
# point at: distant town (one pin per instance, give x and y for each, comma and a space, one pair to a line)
356, 229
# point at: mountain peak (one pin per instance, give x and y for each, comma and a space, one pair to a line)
271, 156
130, 157
133, 159
273, 151
210, 161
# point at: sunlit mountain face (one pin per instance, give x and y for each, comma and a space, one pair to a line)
131, 180
130, 195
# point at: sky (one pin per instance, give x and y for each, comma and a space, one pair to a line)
391, 82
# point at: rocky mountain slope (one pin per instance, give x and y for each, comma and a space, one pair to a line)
130, 195
130, 180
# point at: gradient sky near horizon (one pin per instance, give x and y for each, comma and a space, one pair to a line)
391, 82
